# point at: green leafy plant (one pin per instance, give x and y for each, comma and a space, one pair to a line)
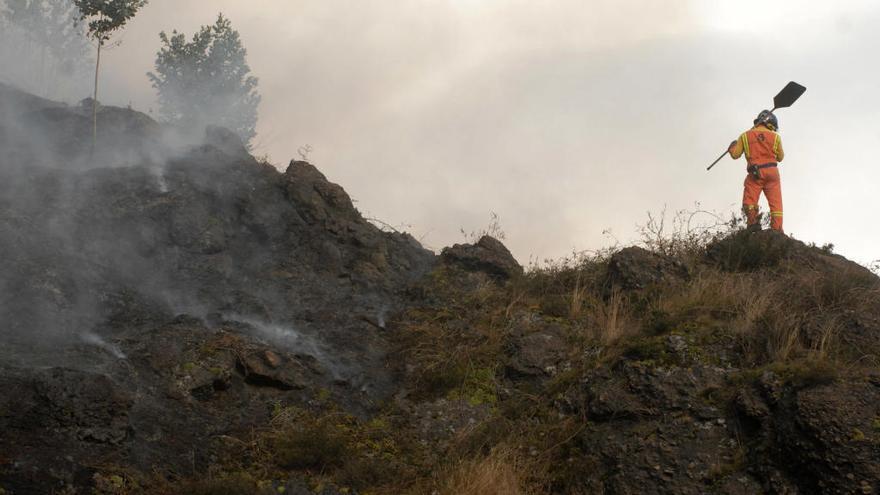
207, 80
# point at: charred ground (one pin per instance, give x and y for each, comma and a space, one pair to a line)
181, 318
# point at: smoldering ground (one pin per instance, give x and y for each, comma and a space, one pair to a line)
105, 248
87, 235
50, 175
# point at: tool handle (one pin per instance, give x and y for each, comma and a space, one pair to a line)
718, 160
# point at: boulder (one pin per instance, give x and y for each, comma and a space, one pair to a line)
537, 353
320, 199
636, 268
488, 255
267, 369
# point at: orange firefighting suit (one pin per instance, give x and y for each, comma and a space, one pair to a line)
763, 150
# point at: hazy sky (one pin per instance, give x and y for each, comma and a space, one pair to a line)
566, 118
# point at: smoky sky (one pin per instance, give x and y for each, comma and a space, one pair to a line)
569, 119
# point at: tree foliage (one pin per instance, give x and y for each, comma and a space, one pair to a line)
103, 17
207, 80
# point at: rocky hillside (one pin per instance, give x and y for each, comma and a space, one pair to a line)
180, 318
173, 296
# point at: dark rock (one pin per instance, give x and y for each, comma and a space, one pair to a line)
488, 255
612, 401
85, 406
635, 268
91, 406
52, 420
750, 405
537, 352
635, 390
827, 437
320, 200
267, 369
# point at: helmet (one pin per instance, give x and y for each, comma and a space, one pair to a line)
767, 118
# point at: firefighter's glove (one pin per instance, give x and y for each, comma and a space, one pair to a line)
731, 147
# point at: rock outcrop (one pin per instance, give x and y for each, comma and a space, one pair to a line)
637, 268
488, 255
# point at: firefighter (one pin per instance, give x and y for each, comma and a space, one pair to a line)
762, 147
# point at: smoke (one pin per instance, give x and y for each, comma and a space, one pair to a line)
44, 48
294, 341
101, 247
161, 182
105, 241
79, 249
97, 341
380, 317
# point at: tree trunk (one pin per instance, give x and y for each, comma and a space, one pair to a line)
95, 102
43, 75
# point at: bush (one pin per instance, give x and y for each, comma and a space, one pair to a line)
687, 233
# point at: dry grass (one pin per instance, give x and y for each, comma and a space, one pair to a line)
790, 335
781, 334
578, 298
827, 344
612, 318
499, 473
717, 294
774, 317
748, 311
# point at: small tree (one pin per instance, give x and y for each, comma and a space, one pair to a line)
207, 80
104, 17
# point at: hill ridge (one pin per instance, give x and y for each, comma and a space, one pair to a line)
182, 318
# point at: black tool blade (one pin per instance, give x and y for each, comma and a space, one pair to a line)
789, 94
